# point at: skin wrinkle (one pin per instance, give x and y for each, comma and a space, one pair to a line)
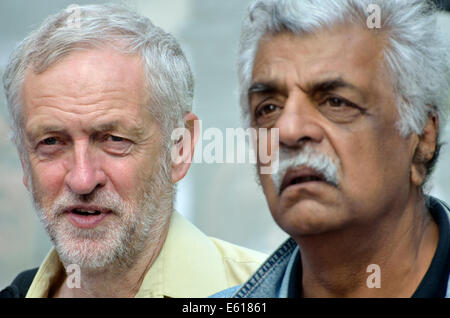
52, 48
84, 166
87, 99
132, 128
377, 201
329, 82
136, 153
135, 133
409, 266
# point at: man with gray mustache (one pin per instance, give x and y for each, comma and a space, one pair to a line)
358, 91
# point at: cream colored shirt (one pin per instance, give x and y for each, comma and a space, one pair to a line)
190, 264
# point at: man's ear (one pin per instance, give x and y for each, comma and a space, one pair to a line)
183, 149
425, 150
25, 174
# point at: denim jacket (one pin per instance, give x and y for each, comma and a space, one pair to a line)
271, 280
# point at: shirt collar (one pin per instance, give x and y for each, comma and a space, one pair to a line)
49, 273
188, 265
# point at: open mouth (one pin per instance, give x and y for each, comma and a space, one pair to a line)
85, 212
86, 216
301, 175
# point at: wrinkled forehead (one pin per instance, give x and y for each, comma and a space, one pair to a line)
82, 70
95, 90
347, 51
343, 41
86, 77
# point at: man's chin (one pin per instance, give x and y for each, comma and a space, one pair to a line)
91, 260
308, 217
90, 250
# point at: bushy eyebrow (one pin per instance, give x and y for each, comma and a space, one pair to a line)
101, 127
40, 130
330, 85
264, 87
106, 126
312, 88
117, 125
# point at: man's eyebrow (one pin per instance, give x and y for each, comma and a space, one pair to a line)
265, 87
35, 132
106, 126
329, 85
131, 128
313, 88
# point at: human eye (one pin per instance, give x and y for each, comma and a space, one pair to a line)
337, 102
51, 141
49, 145
339, 109
265, 114
116, 138
117, 145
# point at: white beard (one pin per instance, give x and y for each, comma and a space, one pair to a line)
123, 236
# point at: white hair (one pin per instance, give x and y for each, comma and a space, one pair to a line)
168, 76
415, 55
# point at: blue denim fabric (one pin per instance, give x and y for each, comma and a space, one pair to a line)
271, 280
227, 293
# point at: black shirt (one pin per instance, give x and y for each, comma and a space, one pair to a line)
433, 284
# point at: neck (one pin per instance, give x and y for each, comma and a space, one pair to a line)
402, 243
116, 280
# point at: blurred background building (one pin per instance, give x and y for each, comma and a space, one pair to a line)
223, 200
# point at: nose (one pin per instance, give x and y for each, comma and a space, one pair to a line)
299, 123
85, 173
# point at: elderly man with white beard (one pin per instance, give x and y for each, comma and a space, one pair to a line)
359, 109
93, 103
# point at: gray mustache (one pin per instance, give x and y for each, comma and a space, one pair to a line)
307, 157
107, 200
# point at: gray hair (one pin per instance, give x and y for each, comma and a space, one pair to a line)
415, 55
168, 76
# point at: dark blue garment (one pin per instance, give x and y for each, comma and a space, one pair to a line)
19, 287
280, 274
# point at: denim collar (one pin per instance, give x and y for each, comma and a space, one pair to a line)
271, 280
